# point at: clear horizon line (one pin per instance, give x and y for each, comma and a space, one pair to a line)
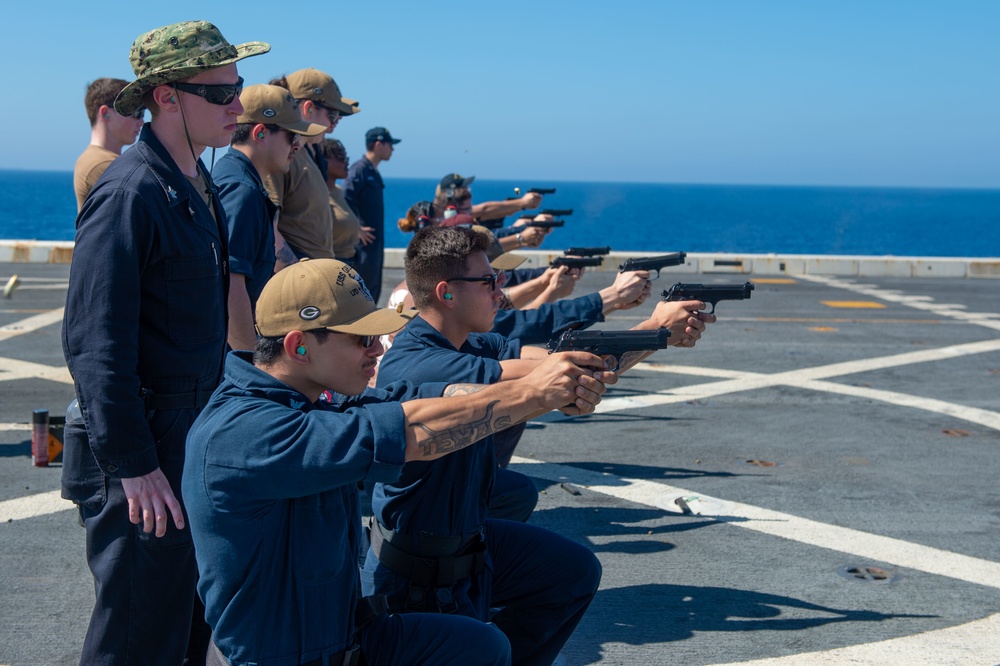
986, 188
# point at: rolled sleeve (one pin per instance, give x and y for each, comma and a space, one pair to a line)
389, 430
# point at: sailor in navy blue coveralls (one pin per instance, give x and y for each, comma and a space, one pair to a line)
276, 522
144, 337
251, 232
542, 581
271, 478
363, 193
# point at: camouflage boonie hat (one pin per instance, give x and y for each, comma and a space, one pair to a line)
176, 52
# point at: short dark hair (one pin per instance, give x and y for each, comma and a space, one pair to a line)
103, 91
331, 148
268, 349
241, 134
439, 253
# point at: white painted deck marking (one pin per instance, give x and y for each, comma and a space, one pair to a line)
11, 369
32, 506
953, 310
809, 378
783, 525
31, 324
972, 644
7, 427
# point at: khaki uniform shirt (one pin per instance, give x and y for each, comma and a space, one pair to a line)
345, 225
306, 219
89, 167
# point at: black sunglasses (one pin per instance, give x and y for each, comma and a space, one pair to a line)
289, 134
491, 280
214, 93
332, 113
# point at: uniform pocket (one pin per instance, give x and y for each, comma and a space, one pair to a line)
83, 481
194, 292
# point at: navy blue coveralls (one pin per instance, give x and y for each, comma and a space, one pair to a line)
270, 484
363, 193
250, 214
144, 336
543, 582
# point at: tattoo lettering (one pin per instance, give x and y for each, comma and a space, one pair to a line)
460, 436
462, 389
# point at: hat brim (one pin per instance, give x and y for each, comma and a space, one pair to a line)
508, 261
129, 100
347, 107
382, 321
304, 128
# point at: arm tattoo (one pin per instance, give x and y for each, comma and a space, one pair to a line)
462, 389
285, 255
453, 439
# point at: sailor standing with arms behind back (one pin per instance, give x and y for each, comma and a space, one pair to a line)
144, 336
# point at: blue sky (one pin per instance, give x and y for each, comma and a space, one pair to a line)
870, 93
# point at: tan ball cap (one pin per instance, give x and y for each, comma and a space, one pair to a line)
323, 293
320, 87
273, 105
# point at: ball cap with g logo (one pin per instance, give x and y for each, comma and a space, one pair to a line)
273, 105
175, 52
323, 293
320, 87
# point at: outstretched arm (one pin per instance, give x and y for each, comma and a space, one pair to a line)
439, 426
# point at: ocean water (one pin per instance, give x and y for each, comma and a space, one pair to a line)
652, 217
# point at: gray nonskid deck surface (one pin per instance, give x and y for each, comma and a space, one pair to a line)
828, 424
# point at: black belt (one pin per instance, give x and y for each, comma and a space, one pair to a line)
172, 401
431, 577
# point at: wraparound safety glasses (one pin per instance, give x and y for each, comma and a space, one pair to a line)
491, 280
214, 93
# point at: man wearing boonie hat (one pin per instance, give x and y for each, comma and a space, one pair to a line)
271, 474
263, 144
144, 335
363, 192
306, 220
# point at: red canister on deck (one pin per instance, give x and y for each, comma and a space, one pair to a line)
40, 437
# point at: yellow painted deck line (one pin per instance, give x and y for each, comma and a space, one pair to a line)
857, 305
